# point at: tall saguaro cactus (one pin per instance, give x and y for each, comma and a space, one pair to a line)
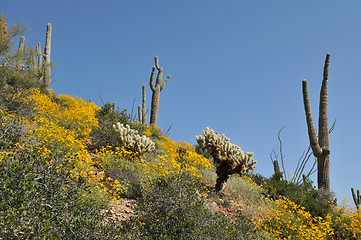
156, 89
40, 62
32, 63
20, 55
46, 64
142, 109
320, 147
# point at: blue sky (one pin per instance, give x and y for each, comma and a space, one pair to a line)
235, 66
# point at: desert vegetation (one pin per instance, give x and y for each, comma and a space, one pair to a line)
72, 170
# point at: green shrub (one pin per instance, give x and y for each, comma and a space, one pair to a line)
173, 208
105, 135
40, 201
131, 178
317, 202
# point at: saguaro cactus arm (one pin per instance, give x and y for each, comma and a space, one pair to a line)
151, 79
356, 198
38, 54
164, 82
317, 151
323, 134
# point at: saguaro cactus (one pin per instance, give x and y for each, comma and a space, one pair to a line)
156, 89
32, 63
229, 158
356, 198
142, 109
47, 50
140, 114
40, 62
320, 147
20, 64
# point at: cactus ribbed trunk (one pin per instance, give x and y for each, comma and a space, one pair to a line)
156, 89
40, 62
140, 114
155, 105
32, 63
20, 64
356, 198
320, 147
47, 50
144, 107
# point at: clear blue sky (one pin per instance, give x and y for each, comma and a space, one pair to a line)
236, 66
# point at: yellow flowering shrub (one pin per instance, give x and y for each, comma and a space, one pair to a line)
104, 159
179, 157
60, 126
347, 220
287, 220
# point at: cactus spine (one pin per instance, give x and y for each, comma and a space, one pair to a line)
20, 64
356, 198
156, 89
47, 50
320, 147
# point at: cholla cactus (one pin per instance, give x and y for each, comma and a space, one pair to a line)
229, 158
130, 138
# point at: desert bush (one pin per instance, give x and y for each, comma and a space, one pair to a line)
287, 220
42, 201
346, 221
173, 208
317, 202
244, 187
12, 129
104, 134
131, 179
